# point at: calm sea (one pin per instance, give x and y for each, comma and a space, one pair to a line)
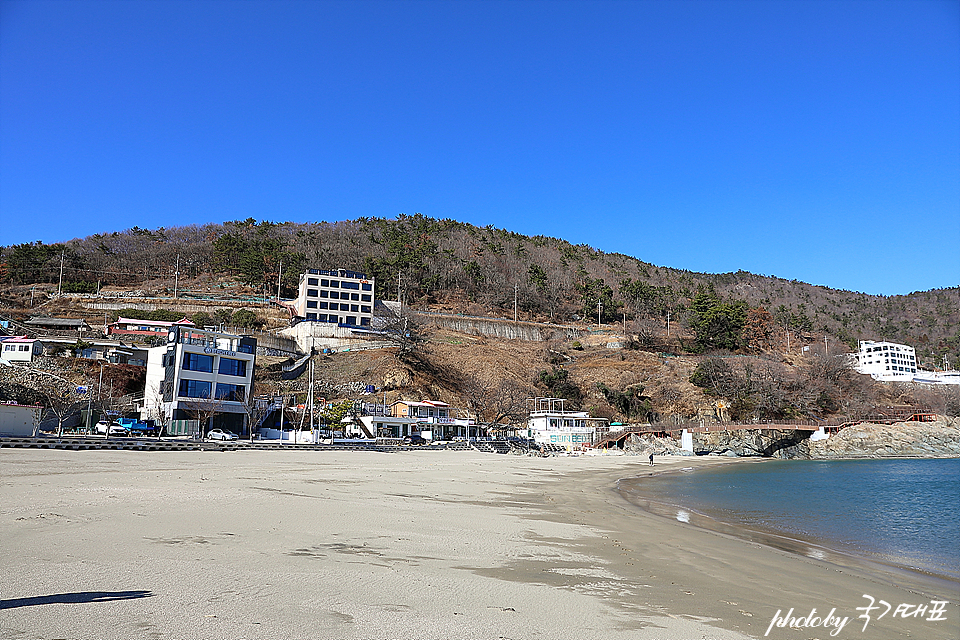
902, 512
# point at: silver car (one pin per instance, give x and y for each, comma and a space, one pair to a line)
220, 434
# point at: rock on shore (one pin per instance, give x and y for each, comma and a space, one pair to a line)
939, 439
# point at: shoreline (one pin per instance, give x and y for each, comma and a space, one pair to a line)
378, 546
925, 582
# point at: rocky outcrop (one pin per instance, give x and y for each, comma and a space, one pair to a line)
767, 443
940, 439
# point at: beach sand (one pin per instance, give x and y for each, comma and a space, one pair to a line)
408, 545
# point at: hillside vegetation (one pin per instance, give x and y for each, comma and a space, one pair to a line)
457, 267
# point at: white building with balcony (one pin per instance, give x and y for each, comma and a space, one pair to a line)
200, 375
550, 423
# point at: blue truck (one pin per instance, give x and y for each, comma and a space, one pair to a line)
137, 427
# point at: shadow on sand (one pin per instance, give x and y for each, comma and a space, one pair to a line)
79, 597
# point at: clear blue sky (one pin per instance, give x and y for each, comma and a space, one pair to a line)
812, 140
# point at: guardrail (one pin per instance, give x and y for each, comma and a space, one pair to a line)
82, 443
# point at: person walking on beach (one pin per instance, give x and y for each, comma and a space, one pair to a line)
651, 458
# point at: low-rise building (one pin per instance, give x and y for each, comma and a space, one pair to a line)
59, 324
134, 327
20, 349
337, 296
18, 420
200, 375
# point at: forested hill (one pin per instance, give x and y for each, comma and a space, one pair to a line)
454, 265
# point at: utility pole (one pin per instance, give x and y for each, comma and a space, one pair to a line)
825, 352
668, 324
176, 279
279, 276
312, 433
60, 283
399, 271
599, 305
516, 292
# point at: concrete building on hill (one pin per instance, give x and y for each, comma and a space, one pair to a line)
886, 361
338, 297
20, 349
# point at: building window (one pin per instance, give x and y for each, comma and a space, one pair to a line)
324, 283
335, 295
364, 322
365, 297
351, 320
355, 296
194, 389
333, 318
324, 305
350, 285
312, 316
366, 286
311, 293
322, 317
231, 367
364, 308
334, 283
312, 282
231, 392
311, 304
198, 362
324, 294
354, 308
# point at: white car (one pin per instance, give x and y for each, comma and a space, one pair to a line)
115, 429
220, 434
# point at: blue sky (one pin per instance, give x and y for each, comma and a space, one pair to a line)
817, 141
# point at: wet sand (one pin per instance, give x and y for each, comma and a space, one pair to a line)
282, 544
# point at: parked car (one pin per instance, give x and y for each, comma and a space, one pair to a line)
115, 429
414, 440
220, 434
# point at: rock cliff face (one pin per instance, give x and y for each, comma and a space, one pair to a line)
940, 439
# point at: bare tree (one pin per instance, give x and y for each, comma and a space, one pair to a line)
256, 409
61, 403
159, 410
502, 402
203, 410
401, 328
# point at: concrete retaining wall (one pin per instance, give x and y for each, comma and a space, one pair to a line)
505, 329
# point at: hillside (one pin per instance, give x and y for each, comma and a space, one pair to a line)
456, 267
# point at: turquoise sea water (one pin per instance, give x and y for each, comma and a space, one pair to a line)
903, 512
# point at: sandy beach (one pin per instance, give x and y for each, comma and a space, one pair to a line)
413, 545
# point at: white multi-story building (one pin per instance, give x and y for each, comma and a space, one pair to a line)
551, 423
338, 296
887, 361
200, 373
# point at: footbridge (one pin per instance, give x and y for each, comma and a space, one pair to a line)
663, 430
